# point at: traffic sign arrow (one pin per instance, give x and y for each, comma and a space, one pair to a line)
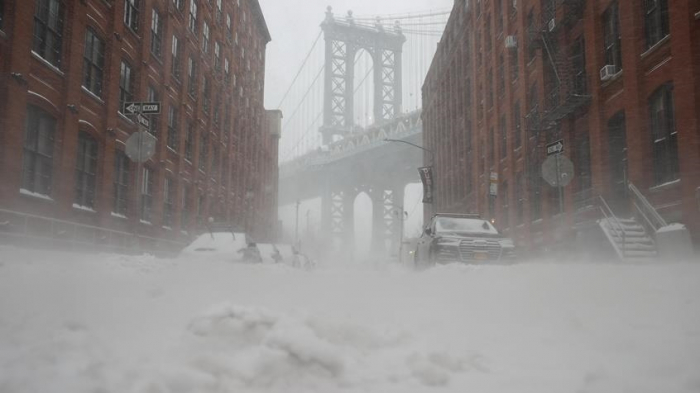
555, 147
143, 121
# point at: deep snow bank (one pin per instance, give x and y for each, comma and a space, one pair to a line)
106, 323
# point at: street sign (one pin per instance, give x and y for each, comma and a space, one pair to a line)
558, 170
143, 120
426, 177
555, 147
140, 146
146, 108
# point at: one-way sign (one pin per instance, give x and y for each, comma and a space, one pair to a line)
143, 121
555, 147
146, 108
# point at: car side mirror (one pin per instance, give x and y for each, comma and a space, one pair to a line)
428, 231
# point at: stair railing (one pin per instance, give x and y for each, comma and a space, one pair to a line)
615, 225
645, 209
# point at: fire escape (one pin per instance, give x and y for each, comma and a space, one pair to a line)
565, 89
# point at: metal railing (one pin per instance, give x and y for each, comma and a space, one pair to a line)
615, 225
651, 217
50, 232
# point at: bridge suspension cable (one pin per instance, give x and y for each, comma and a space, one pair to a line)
303, 64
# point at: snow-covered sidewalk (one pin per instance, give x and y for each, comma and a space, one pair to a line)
79, 323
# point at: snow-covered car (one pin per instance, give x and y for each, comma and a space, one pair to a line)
219, 245
462, 238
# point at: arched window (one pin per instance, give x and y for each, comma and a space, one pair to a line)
37, 165
86, 171
663, 134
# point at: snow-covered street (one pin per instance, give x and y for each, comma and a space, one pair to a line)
79, 323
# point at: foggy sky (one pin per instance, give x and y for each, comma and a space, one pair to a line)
294, 25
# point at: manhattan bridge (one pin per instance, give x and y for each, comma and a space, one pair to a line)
357, 92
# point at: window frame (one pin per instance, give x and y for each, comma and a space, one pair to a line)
173, 127
192, 19
131, 14
664, 135
127, 81
656, 21
93, 68
175, 66
612, 40
156, 34
120, 179
47, 40
87, 154
169, 193
38, 151
146, 194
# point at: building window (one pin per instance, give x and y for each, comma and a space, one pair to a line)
2, 14
501, 77
227, 73
229, 30
578, 64
656, 21
152, 96
583, 161
93, 62
172, 127
179, 4
37, 166
532, 36
214, 161
126, 84
205, 37
489, 86
48, 30
131, 14
176, 67
611, 35
192, 77
535, 182
504, 138
186, 206
86, 171
505, 205
219, 11
517, 127
520, 198
203, 140
121, 183
168, 202
514, 66
217, 56
189, 142
147, 194
193, 17
664, 135
156, 34
206, 95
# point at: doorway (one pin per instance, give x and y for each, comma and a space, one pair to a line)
617, 155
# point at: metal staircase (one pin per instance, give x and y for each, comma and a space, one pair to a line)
629, 238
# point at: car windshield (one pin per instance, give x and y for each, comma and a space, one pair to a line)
468, 225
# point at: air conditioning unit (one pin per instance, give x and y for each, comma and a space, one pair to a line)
511, 42
607, 72
552, 24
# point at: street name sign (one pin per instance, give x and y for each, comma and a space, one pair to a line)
143, 120
555, 147
145, 108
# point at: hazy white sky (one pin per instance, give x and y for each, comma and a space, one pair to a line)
294, 24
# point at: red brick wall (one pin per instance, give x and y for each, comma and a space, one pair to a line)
446, 116
55, 89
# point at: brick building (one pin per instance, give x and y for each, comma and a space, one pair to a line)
66, 68
617, 81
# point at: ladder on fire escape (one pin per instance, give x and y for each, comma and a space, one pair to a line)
569, 90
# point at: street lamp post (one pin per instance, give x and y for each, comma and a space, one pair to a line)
430, 164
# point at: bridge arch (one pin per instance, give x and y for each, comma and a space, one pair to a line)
344, 38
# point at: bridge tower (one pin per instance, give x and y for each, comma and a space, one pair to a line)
344, 38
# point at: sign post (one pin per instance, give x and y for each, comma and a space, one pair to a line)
557, 169
140, 146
